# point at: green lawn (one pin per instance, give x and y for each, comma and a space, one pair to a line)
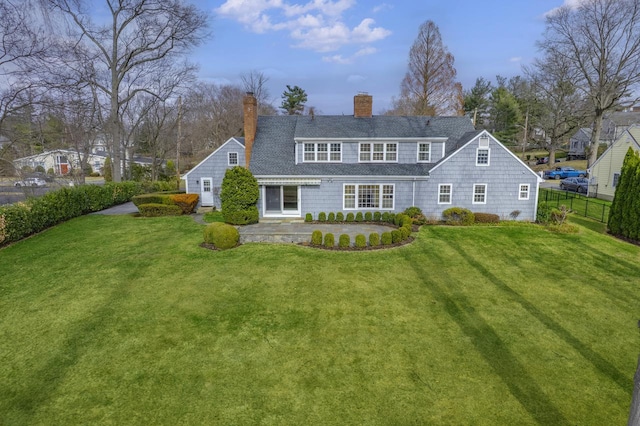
123, 320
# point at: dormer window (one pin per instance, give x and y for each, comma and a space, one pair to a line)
424, 152
378, 152
322, 152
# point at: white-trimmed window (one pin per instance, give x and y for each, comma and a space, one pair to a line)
523, 191
424, 152
378, 152
233, 158
482, 157
444, 193
368, 197
480, 193
616, 178
322, 152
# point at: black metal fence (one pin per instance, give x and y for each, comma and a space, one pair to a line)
592, 208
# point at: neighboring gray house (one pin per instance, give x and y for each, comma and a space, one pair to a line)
613, 126
313, 164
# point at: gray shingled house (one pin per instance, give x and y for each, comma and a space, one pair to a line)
313, 164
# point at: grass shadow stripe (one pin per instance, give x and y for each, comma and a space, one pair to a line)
494, 351
599, 362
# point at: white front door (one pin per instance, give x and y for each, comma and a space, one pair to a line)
206, 192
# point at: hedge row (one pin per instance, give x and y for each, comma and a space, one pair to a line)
185, 203
344, 240
356, 217
20, 220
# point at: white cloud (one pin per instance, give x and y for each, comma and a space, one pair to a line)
515, 59
571, 4
315, 25
382, 7
339, 59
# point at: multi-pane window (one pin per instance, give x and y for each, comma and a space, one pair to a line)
444, 194
480, 193
322, 152
424, 152
378, 152
482, 157
233, 158
368, 197
523, 192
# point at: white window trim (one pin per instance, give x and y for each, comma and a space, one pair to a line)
229, 159
380, 200
520, 191
428, 160
315, 152
384, 152
488, 157
473, 199
450, 193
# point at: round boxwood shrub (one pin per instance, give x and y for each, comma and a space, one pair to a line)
331, 217
361, 241
359, 217
385, 217
221, 235
329, 240
350, 217
339, 217
308, 217
413, 211
344, 240
239, 195
392, 218
368, 216
322, 217
386, 238
404, 232
377, 216
396, 236
458, 216
374, 239
316, 238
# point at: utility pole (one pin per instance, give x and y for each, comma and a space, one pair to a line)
178, 142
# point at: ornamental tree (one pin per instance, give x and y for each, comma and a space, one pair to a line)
239, 196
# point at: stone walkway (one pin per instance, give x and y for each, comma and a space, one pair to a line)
279, 231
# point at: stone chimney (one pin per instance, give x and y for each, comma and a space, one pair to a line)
362, 105
250, 112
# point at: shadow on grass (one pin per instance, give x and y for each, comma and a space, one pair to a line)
601, 364
496, 354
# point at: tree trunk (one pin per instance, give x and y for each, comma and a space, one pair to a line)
595, 139
634, 414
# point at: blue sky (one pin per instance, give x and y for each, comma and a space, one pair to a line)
336, 49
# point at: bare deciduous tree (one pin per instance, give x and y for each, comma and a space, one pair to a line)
601, 39
429, 86
138, 39
256, 83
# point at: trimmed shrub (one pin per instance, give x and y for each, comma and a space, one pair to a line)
385, 217
544, 213
350, 217
239, 195
339, 217
329, 240
153, 198
368, 216
361, 241
386, 238
316, 238
344, 240
359, 217
392, 218
404, 232
402, 220
413, 212
156, 210
221, 235
308, 217
322, 217
396, 236
377, 216
374, 239
486, 218
458, 216
187, 202
331, 217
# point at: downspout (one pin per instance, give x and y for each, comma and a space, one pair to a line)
413, 197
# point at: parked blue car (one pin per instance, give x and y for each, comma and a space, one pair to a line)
563, 173
578, 184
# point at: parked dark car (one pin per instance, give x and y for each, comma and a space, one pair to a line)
577, 184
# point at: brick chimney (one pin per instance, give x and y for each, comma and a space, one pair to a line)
250, 111
362, 105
